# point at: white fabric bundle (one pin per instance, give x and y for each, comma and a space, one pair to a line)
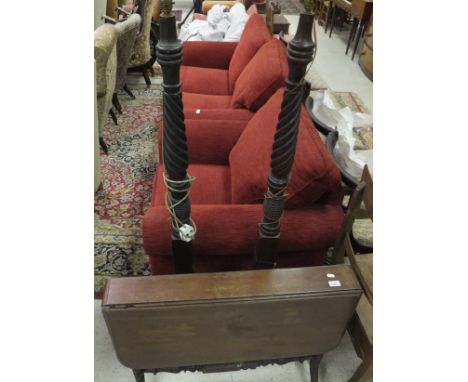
344, 121
221, 24
238, 19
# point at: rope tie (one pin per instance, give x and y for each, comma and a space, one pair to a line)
186, 231
277, 196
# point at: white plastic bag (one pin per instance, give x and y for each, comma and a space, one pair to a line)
238, 19
345, 121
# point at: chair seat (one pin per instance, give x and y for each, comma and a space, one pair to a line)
204, 80
212, 185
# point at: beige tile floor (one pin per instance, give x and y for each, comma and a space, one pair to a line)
341, 74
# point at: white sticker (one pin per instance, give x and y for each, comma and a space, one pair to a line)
331, 275
334, 283
197, 111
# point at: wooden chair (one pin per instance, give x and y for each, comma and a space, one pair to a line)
342, 7
323, 12
361, 325
361, 11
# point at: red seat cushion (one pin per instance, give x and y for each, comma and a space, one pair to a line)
254, 35
212, 185
204, 80
204, 114
229, 232
314, 171
205, 101
262, 77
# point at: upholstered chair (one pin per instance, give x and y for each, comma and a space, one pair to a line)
127, 32
144, 50
97, 158
105, 54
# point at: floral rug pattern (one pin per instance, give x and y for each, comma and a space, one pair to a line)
127, 174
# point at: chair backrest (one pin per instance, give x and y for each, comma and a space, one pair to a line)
141, 51
360, 201
127, 32
105, 40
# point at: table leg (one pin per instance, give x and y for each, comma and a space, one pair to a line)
314, 368
358, 38
352, 33
139, 375
333, 19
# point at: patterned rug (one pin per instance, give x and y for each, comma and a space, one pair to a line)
127, 174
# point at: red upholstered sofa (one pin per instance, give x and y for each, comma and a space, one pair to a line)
231, 160
235, 79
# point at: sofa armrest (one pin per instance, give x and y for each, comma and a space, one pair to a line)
208, 54
209, 141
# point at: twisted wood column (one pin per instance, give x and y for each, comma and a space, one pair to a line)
300, 51
175, 152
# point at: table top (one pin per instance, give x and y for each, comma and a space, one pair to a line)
229, 285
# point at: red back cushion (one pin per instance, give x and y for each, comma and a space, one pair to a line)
314, 171
254, 35
262, 77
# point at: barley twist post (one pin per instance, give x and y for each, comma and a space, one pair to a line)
175, 152
300, 51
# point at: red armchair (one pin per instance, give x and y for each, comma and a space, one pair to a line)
230, 161
233, 76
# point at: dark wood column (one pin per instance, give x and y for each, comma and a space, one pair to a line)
175, 152
300, 51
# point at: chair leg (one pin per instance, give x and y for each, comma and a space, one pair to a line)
186, 17
328, 17
116, 103
364, 371
128, 91
139, 375
147, 79
103, 145
314, 368
358, 38
352, 33
114, 117
333, 19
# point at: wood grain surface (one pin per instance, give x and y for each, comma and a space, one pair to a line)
222, 318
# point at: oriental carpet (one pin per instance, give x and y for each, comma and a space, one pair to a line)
127, 177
